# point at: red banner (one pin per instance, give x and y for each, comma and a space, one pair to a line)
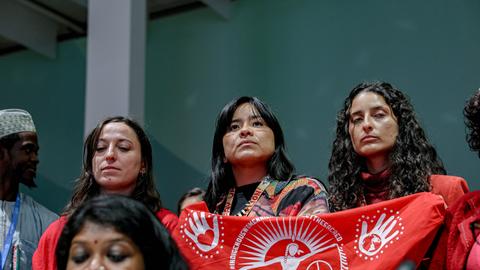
378, 236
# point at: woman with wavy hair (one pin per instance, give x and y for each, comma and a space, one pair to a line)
472, 121
463, 218
117, 159
381, 152
251, 173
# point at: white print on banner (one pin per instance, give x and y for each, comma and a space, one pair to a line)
377, 233
288, 243
201, 236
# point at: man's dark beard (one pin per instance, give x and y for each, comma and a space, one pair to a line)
19, 171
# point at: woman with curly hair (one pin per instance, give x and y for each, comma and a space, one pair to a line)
251, 173
381, 152
472, 121
463, 218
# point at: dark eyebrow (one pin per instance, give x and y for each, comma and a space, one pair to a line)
120, 140
29, 145
355, 113
252, 117
376, 108
125, 140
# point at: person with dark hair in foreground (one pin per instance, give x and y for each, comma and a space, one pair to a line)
381, 152
117, 159
251, 173
192, 196
463, 218
22, 219
116, 232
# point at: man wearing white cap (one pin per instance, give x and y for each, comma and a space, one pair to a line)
22, 220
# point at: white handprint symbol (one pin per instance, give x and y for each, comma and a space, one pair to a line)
370, 243
200, 226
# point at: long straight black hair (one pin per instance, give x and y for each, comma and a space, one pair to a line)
279, 167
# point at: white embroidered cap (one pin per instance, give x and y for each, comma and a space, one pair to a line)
15, 121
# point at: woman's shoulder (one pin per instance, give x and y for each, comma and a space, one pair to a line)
167, 218
164, 212
303, 180
300, 182
450, 187
57, 225
442, 181
44, 256
303, 195
53, 231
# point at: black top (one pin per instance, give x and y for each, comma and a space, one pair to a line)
242, 196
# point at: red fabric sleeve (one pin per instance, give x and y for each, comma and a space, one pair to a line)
168, 219
451, 188
44, 256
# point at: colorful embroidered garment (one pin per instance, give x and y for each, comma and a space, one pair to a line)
297, 197
378, 236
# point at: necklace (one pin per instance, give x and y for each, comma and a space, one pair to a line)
253, 200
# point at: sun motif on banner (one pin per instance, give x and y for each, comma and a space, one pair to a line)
288, 243
376, 233
203, 237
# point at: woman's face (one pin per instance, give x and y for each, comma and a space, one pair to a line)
372, 126
248, 140
98, 247
118, 159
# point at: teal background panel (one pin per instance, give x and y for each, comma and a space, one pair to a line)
301, 57
52, 90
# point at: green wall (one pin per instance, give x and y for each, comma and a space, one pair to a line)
52, 90
301, 57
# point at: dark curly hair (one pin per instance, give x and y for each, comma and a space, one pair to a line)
413, 159
279, 166
472, 121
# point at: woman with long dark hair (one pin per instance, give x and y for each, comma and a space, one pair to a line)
381, 152
117, 159
251, 173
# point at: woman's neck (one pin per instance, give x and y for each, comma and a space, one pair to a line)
248, 175
125, 192
377, 164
